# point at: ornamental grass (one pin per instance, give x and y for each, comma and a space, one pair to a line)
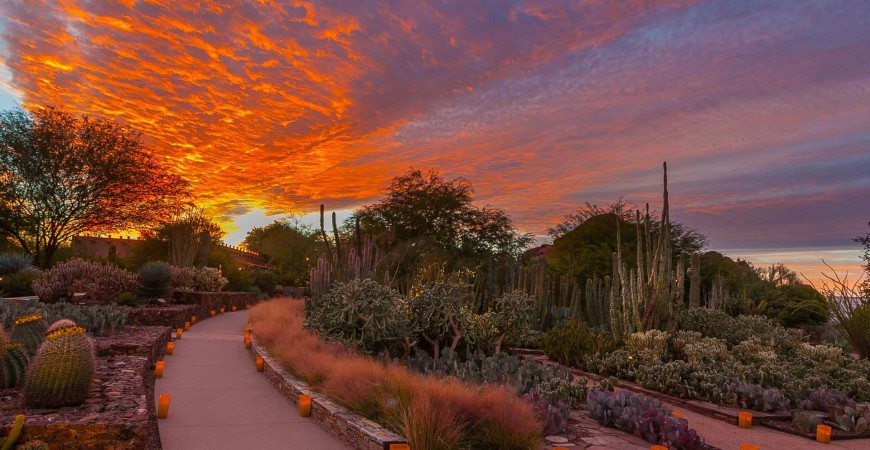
432, 414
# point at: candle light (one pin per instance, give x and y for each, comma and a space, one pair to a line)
192, 320
163, 406
247, 306
304, 405
261, 364
222, 309
186, 326
234, 308
170, 347
247, 342
247, 329
823, 434
658, 447
212, 313
400, 447
178, 333
677, 415
744, 419
748, 447
158, 369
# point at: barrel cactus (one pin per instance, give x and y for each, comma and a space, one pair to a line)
62, 323
29, 331
61, 373
13, 366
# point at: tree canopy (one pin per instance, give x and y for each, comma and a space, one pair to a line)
62, 174
865, 242
289, 246
428, 211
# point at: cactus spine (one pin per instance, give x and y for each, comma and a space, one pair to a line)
62, 371
29, 331
13, 366
695, 282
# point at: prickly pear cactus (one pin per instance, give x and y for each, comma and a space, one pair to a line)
61, 373
13, 366
29, 331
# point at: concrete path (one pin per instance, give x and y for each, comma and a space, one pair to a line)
220, 401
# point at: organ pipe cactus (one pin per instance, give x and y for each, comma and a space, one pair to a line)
61, 373
29, 331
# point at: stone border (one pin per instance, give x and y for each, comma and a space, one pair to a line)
354, 430
726, 414
188, 304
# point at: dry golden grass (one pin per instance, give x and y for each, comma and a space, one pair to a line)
432, 414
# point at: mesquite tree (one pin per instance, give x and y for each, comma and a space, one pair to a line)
62, 174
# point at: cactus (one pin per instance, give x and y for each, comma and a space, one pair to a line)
33, 445
695, 282
62, 323
15, 433
13, 365
61, 373
4, 341
29, 330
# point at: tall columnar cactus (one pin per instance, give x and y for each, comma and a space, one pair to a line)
61, 373
29, 331
13, 366
695, 282
4, 341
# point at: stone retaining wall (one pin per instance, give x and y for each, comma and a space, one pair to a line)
188, 304
354, 430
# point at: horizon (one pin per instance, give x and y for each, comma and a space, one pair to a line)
762, 111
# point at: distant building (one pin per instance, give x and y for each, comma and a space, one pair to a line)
104, 247
537, 252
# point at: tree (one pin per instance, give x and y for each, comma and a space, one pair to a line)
427, 211
190, 235
289, 246
62, 174
865, 241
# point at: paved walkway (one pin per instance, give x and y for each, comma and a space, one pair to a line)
220, 401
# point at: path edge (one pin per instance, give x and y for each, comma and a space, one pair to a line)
352, 429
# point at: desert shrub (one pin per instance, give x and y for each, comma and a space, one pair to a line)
573, 343
564, 390
390, 391
734, 330
101, 283
823, 399
501, 368
155, 279
753, 396
642, 416
266, 281
183, 279
18, 284
99, 320
361, 313
127, 299
650, 342
208, 279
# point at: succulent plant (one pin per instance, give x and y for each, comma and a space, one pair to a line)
61, 373
101, 283
29, 331
13, 365
823, 354
33, 445
155, 279
852, 420
556, 390
12, 263
806, 421
824, 399
650, 342
753, 396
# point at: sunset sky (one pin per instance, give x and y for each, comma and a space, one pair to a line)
762, 109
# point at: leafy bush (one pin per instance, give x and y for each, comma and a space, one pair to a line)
127, 299
183, 279
19, 284
155, 279
101, 283
208, 279
266, 281
642, 416
360, 313
573, 343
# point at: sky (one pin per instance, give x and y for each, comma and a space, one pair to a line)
761, 109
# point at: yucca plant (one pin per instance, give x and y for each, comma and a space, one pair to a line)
61, 373
155, 279
11, 263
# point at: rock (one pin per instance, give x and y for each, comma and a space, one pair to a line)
556, 439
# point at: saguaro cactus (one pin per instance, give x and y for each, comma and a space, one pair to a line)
62, 371
29, 331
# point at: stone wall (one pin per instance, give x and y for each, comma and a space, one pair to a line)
354, 430
188, 304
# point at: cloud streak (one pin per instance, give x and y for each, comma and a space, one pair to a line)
762, 110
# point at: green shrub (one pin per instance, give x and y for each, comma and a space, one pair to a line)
127, 299
208, 279
266, 281
18, 284
155, 279
573, 343
183, 279
564, 390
